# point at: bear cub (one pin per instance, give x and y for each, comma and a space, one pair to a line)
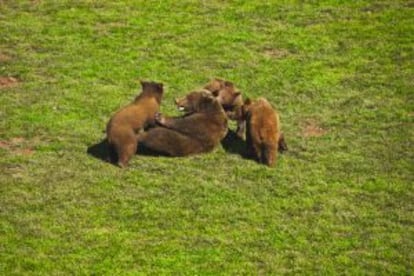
231, 100
199, 130
129, 121
263, 135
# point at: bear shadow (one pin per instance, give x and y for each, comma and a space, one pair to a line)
234, 144
103, 152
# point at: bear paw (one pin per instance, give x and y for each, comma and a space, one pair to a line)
159, 118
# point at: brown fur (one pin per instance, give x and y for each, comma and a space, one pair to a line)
263, 136
124, 126
231, 99
199, 130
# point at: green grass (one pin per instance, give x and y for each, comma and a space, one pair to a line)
340, 201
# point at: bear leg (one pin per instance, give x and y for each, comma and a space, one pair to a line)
257, 152
282, 146
269, 154
125, 152
241, 128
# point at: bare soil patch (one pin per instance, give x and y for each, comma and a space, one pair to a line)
276, 53
4, 58
311, 128
8, 82
17, 145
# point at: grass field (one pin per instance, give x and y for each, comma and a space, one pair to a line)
341, 200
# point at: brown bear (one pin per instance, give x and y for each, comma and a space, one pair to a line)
263, 135
129, 121
231, 100
199, 130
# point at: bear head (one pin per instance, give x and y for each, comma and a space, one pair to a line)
215, 85
198, 101
152, 89
225, 91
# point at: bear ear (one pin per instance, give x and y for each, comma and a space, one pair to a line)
206, 102
142, 82
160, 85
228, 84
236, 94
247, 101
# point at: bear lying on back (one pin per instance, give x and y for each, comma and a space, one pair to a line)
231, 100
199, 130
263, 135
130, 120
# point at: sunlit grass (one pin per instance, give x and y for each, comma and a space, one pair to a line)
340, 200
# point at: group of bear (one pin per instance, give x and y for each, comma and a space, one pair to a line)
200, 129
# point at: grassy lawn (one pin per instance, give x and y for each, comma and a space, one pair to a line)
341, 200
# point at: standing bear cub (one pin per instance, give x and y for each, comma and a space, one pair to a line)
199, 130
129, 121
263, 135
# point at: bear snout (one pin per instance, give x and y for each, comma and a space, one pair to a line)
180, 103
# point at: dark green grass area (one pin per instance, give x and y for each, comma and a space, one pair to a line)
341, 200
